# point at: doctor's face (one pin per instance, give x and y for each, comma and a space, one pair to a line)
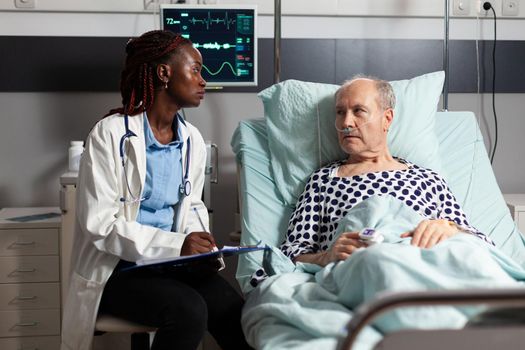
357, 106
186, 85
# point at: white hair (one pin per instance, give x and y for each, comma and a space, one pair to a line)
385, 92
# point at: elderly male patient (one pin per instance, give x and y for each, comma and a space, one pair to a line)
364, 113
428, 243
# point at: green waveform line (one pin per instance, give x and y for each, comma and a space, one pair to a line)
220, 69
209, 21
214, 46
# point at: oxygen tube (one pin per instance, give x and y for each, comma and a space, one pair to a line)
349, 129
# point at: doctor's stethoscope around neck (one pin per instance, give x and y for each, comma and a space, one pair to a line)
185, 186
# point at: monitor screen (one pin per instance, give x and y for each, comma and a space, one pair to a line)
226, 36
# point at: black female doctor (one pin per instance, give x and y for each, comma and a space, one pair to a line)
139, 197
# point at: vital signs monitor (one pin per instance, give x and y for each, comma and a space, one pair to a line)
226, 36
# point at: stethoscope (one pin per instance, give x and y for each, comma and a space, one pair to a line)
185, 186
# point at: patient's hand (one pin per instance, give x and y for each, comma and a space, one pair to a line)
343, 247
430, 232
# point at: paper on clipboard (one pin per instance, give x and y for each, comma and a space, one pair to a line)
180, 260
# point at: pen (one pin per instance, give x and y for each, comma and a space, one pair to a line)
221, 260
200, 220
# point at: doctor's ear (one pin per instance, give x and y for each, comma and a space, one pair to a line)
163, 72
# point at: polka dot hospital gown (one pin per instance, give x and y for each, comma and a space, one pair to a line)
327, 199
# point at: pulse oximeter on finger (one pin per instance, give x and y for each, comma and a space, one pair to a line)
370, 236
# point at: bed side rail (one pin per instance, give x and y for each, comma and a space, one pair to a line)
369, 311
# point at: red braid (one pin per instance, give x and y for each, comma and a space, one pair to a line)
151, 89
145, 86
138, 79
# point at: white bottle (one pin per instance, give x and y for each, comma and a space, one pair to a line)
75, 151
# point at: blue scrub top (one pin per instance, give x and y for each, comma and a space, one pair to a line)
163, 178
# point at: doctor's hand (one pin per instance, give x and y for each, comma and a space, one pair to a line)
343, 247
197, 243
430, 232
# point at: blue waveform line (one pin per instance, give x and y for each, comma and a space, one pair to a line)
214, 46
208, 21
221, 68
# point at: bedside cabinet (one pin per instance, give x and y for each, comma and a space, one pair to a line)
29, 280
516, 204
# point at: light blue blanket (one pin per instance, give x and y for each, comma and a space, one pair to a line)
310, 307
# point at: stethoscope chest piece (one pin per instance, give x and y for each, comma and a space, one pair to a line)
185, 187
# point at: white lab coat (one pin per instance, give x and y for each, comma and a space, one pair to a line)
106, 229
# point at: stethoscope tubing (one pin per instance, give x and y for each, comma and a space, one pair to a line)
185, 186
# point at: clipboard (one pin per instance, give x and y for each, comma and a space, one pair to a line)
34, 217
183, 260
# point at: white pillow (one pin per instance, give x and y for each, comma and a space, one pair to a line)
301, 135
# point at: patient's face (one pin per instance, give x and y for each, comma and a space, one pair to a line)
357, 107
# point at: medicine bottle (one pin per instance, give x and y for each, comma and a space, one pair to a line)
75, 151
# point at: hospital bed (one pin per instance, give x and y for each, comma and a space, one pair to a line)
467, 169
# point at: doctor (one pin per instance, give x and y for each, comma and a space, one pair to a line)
139, 197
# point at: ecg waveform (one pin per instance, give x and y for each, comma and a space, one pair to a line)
214, 46
209, 21
221, 68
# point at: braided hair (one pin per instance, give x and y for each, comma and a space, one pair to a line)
138, 79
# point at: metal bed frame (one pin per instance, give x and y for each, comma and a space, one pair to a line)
484, 326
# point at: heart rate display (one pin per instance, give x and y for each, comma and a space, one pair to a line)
227, 22
225, 36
